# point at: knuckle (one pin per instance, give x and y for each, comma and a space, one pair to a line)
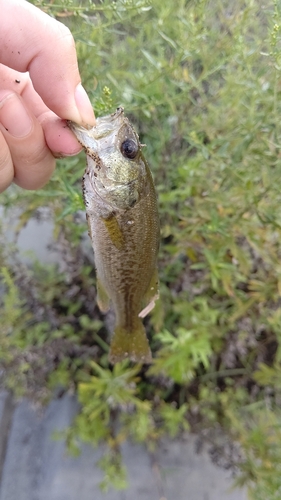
6, 165
65, 34
5, 160
38, 154
5, 157
34, 171
31, 159
13, 80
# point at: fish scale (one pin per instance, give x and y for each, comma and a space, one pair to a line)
123, 221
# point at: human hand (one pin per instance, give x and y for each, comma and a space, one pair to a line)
35, 105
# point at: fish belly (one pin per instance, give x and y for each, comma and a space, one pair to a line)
125, 250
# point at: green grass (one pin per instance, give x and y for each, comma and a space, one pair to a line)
201, 82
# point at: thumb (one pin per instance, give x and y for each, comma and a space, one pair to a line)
30, 40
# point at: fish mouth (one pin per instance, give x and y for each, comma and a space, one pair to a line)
104, 126
112, 117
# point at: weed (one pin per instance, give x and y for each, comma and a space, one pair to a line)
201, 82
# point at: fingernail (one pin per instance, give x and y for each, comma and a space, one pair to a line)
84, 106
14, 116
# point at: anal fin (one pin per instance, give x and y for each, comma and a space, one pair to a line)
151, 295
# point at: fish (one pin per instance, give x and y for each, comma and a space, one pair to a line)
123, 223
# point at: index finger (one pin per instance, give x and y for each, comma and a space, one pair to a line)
30, 40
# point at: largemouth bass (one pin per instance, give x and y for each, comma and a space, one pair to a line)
123, 223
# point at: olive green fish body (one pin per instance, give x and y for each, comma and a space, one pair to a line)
123, 225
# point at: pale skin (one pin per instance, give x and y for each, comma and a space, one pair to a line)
40, 88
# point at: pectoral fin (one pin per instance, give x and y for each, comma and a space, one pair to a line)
151, 295
102, 298
114, 231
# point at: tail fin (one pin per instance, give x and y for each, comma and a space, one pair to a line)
131, 345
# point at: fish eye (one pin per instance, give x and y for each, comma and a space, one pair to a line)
129, 149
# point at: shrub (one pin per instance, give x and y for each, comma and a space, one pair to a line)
200, 80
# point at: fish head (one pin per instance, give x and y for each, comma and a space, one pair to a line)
116, 167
